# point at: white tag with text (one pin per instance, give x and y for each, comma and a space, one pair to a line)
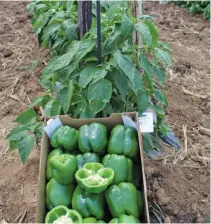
146, 122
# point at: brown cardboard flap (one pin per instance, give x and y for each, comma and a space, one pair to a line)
109, 122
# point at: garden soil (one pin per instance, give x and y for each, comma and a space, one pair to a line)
178, 182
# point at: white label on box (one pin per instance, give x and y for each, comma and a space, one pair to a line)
146, 122
128, 122
52, 125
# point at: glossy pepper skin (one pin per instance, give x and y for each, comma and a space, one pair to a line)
62, 214
125, 219
53, 153
63, 168
87, 158
123, 141
123, 199
65, 137
92, 137
122, 167
92, 220
94, 177
88, 204
58, 194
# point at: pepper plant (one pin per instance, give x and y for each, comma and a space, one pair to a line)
196, 7
130, 77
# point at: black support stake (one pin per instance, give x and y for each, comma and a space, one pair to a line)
99, 33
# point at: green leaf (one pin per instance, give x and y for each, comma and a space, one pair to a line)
99, 93
113, 42
46, 83
99, 74
160, 73
165, 46
163, 56
25, 147
53, 108
27, 117
149, 83
65, 96
13, 144
158, 110
30, 7
60, 62
144, 30
17, 133
73, 47
58, 43
128, 67
85, 47
86, 76
41, 8
96, 106
147, 143
160, 97
36, 101
39, 131
142, 101
45, 100
126, 26
48, 31
146, 17
41, 100
145, 64
57, 63
153, 31
137, 83
69, 72
108, 109
122, 84
70, 29
69, 5
79, 109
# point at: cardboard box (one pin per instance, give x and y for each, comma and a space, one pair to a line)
109, 122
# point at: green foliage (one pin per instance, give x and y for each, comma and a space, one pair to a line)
196, 7
127, 80
54, 22
25, 134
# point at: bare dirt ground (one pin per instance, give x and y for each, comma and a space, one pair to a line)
178, 183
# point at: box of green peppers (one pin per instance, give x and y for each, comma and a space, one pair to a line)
92, 171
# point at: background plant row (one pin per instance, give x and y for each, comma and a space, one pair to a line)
196, 7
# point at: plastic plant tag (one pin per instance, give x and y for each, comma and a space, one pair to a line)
52, 125
128, 122
146, 122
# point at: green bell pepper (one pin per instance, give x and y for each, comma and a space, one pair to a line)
63, 168
88, 204
53, 153
87, 158
62, 214
92, 220
94, 177
65, 137
58, 194
123, 140
125, 219
92, 137
123, 199
122, 167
